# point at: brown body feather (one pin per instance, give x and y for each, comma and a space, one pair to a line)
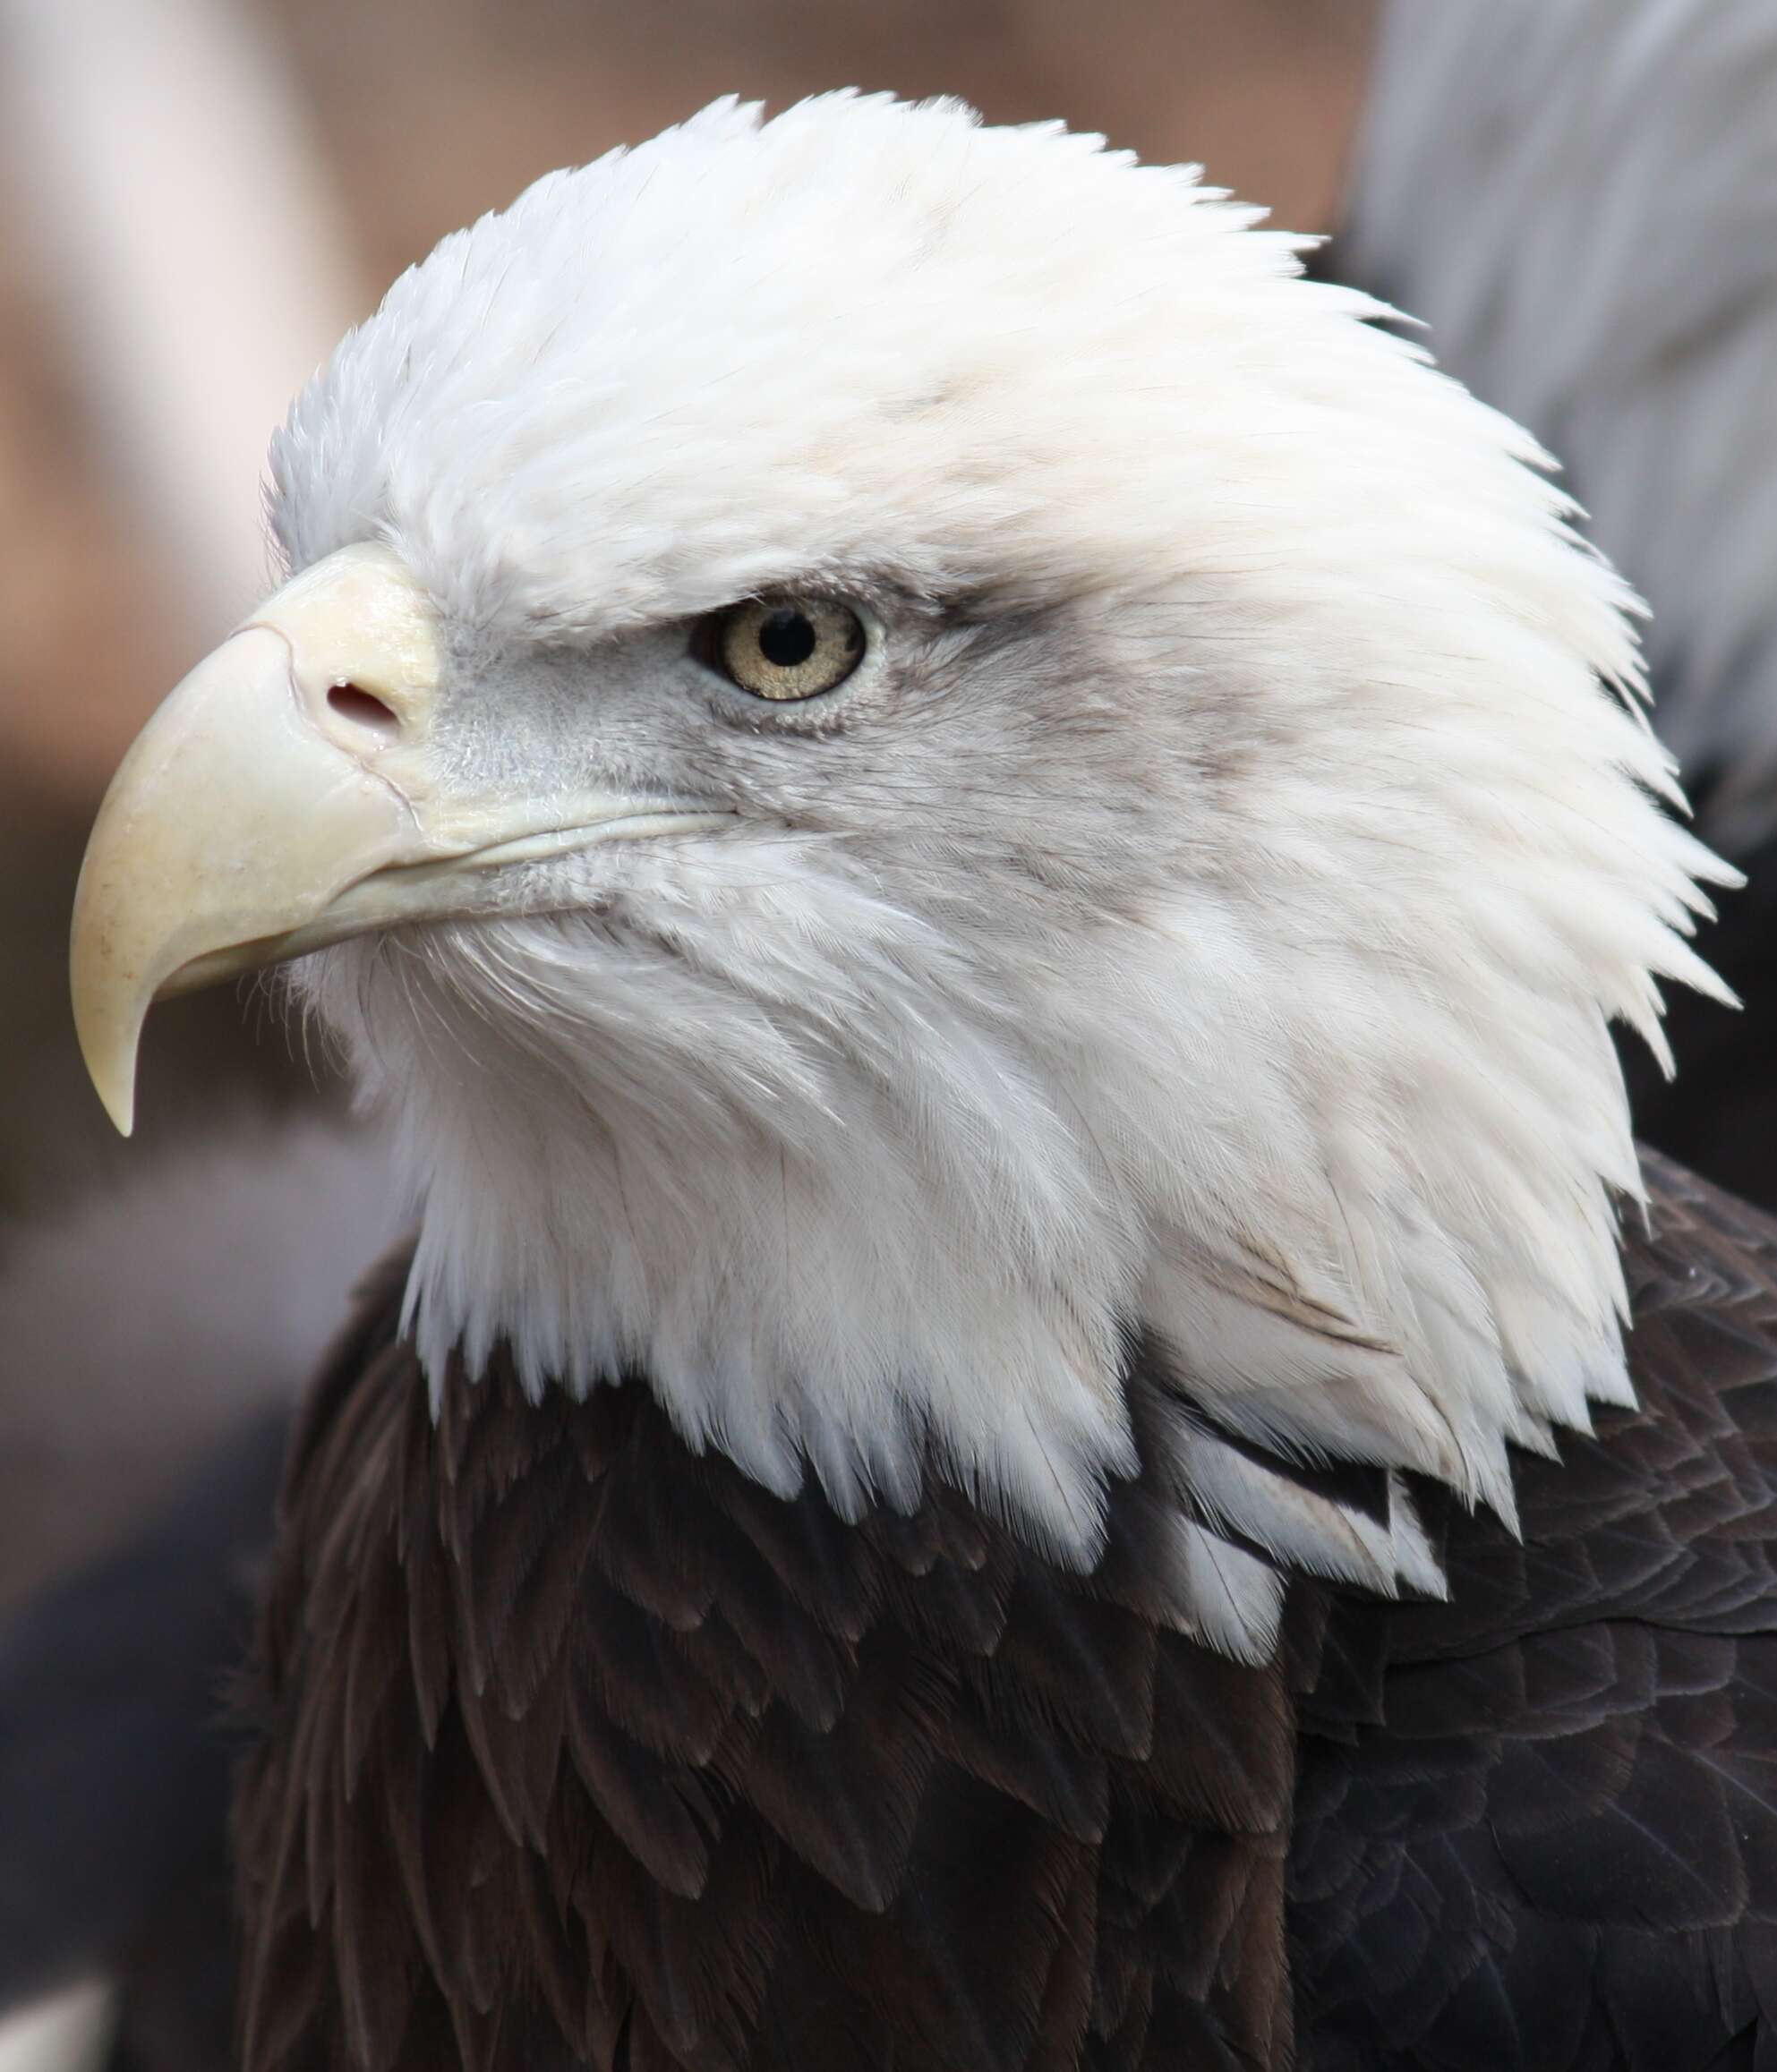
579, 1750
1536, 1828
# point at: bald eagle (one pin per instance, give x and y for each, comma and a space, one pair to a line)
1041, 1417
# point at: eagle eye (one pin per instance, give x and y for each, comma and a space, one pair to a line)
785, 649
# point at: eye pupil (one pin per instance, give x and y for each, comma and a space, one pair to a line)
786, 638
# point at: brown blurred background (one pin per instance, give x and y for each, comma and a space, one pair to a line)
361, 130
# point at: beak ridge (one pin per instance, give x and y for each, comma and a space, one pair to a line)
249, 802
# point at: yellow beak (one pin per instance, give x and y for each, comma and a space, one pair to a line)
285, 796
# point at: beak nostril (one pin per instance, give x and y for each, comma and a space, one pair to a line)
352, 702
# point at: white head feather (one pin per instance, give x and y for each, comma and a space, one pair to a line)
1203, 913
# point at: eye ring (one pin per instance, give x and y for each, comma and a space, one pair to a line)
783, 649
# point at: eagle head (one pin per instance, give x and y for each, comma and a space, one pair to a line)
907, 763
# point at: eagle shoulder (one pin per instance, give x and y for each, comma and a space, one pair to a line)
1537, 1825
